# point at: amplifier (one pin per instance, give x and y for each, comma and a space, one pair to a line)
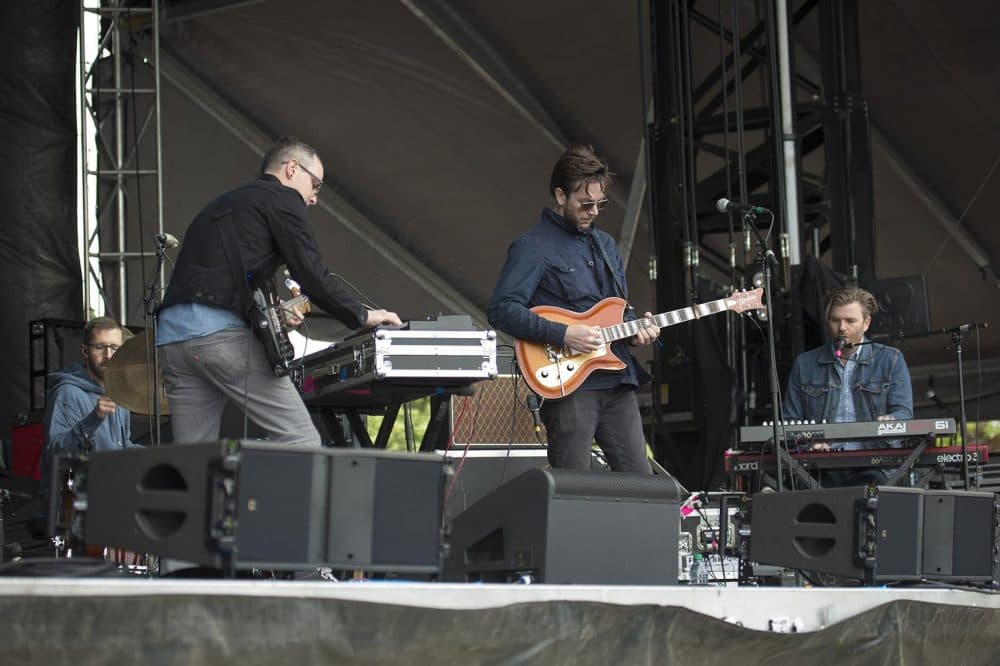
495, 414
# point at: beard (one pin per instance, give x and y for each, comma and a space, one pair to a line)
96, 369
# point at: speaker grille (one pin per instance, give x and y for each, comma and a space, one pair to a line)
494, 414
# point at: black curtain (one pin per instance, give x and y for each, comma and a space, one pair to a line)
39, 258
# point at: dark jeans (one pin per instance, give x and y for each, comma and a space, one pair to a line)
609, 416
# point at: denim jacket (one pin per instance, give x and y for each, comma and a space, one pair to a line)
881, 385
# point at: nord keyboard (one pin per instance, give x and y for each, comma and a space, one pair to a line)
860, 430
744, 462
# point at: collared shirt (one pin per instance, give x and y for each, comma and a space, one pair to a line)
186, 321
845, 409
555, 263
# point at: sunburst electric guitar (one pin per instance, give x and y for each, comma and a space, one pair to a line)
554, 372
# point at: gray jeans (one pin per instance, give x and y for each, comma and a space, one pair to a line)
202, 373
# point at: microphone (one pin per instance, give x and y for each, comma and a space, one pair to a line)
726, 206
533, 405
167, 240
839, 344
965, 328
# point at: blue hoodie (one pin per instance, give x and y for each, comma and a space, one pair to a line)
70, 422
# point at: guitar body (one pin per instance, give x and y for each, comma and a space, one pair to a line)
268, 323
555, 372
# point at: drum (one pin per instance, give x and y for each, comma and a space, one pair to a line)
67, 523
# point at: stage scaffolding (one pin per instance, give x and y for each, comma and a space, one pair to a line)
120, 149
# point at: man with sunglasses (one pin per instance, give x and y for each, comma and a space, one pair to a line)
565, 261
79, 415
207, 353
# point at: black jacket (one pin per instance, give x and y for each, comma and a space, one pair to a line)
271, 229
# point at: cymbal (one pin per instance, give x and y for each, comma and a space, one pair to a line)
127, 376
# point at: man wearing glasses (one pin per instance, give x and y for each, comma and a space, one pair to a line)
79, 416
565, 261
206, 350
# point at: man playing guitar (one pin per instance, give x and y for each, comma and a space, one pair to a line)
207, 351
565, 261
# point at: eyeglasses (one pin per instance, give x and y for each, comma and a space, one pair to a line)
316, 182
103, 347
590, 205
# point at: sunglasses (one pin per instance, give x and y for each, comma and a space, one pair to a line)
591, 205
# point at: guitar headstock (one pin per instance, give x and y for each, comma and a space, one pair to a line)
740, 301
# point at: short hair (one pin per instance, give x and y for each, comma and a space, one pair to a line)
579, 166
848, 295
101, 324
286, 148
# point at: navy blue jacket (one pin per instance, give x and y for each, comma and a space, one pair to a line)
554, 263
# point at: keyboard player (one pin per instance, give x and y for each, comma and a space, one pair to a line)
850, 379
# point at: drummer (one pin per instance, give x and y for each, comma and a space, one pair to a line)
79, 415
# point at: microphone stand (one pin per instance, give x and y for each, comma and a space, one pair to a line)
152, 302
956, 339
766, 257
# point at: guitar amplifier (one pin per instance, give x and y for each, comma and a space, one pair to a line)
387, 363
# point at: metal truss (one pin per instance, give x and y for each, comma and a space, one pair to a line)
120, 147
735, 118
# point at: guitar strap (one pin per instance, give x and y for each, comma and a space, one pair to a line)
610, 270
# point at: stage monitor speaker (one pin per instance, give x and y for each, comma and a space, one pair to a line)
877, 534
961, 535
482, 469
559, 526
154, 500
255, 505
902, 304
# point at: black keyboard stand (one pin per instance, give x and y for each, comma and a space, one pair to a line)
794, 468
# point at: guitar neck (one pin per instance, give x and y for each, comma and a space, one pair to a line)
628, 329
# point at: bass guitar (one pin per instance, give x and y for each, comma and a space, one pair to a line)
269, 324
554, 372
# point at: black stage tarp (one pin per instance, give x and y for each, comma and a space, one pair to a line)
236, 629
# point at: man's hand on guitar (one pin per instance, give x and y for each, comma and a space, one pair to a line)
376, 317
583, 338
646, 334
294, 315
